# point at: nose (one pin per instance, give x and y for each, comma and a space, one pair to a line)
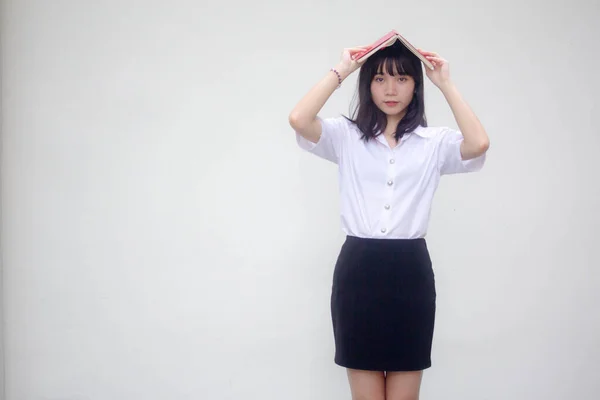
390, 88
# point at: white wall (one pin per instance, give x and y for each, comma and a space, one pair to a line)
165, 238
1, 225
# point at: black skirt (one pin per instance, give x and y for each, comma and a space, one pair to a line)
383, 304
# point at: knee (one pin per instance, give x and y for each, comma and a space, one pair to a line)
403, 396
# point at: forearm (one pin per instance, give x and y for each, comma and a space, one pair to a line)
476, 141
311, 104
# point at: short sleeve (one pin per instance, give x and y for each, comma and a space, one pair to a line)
449, 157
333, 132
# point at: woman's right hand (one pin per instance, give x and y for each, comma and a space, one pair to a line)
348, 64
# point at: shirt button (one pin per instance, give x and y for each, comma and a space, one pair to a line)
392, 161
387, 206
390, 182
383, 230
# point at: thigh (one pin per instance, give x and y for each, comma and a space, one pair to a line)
366, 385
403, 385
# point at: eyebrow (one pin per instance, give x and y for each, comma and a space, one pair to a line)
399, 74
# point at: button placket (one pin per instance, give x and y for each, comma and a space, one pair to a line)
391, 173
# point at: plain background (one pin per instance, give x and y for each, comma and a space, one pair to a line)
164, 237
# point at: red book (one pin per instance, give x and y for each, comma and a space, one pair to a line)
388, 40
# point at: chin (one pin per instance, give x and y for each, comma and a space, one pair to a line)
393, 113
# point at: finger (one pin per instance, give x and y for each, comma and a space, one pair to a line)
433, 63
429, 53
433, 55
355, 53
436, 59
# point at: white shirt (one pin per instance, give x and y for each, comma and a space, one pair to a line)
387, 192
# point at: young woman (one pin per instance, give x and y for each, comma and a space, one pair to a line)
383, 298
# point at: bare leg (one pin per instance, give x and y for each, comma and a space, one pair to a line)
366, 385
403, 385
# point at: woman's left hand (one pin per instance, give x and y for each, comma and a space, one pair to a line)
440, 76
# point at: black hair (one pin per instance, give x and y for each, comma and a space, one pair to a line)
367, 116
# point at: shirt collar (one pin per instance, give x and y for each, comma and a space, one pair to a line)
419, 130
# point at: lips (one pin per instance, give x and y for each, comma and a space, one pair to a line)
391, 103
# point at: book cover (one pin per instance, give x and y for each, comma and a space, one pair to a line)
388, 40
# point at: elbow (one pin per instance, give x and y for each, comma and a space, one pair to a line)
293, 119
481, 145
475, 149
297, 121
484, 145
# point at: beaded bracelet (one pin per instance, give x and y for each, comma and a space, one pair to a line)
339, 77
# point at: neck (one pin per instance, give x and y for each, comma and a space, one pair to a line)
392, 123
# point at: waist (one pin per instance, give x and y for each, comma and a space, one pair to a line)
383, 241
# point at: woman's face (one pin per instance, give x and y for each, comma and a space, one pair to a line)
392, 93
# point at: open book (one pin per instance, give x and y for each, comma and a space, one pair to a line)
389, 40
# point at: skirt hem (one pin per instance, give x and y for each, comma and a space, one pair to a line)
364, 367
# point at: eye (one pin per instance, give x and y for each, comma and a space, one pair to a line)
378, 79
403, 79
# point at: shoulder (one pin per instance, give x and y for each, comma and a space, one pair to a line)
339, 122
437, 133
333, 138
340, 127
430, 132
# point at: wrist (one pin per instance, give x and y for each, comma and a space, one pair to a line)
447, 87
343, 71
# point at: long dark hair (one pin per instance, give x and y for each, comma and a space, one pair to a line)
367, 116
